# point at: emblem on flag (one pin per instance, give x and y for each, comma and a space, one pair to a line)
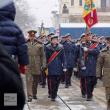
90, 13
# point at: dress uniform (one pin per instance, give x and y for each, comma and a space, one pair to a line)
89, 51
37, 61
43, 73
103, 69
56, 64
70, 50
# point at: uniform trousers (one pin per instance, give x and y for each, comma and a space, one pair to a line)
53, 85
87, 84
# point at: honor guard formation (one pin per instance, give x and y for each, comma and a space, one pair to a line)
51, 64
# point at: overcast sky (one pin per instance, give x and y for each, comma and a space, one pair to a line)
41, 9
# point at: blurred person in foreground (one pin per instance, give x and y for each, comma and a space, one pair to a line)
11, 36
10, 83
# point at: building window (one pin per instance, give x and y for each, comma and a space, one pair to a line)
72, 2
65, 9
80, 2
103, 4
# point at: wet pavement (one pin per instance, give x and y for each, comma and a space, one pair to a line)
71, 97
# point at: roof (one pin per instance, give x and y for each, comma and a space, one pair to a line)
79, 25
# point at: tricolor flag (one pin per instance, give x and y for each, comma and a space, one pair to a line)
90, 13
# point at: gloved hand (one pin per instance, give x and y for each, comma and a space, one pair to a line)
100, 78
85, 49
75, 69
65, 70
22, 69
83, 68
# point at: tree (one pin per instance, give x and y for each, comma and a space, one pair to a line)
23, 18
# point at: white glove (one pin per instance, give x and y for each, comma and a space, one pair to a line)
83, 68
85, 49
65, 70
75, 69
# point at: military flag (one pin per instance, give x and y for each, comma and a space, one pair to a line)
90, 13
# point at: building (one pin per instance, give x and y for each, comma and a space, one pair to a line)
71, 10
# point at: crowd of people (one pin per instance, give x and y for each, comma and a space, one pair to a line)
63, 56
50, 59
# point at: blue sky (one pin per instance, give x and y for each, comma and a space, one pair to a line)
41, 9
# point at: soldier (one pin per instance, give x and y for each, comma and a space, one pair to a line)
43, 73
89, 51
103, 69
70, 50
37, 61
56, 64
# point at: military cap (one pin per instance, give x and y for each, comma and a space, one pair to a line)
50, 34
82, 35
54, 36
32, 32
68, 34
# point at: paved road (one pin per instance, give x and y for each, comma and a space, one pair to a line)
71, 97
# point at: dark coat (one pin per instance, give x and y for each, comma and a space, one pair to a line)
11, 36
70, 50
10, 81
90, 62
57, 65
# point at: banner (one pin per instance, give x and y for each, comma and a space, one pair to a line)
90, 13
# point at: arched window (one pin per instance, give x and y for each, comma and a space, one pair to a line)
72, 2
65, 9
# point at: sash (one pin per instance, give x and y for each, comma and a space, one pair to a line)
93, 46
53, 56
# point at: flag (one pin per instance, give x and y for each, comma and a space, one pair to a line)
90, 13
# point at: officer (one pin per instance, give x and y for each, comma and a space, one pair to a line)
70, 50
103, 69
37, 61
56, 65
88, 57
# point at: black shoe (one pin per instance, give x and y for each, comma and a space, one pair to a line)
66, 86
49, 96
29, 100
70, 85
89, 99
83, 96
34, 97
53, 99
43, 86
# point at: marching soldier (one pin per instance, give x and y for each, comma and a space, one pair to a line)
103, 69
70, 50
37, 61
43, 73
56, 65
89, 51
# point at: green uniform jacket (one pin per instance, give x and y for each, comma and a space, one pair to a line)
37, 57
103, 67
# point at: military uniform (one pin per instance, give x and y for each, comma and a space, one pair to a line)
103, 67
55, 68
88, 69
36, 61
70, 50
